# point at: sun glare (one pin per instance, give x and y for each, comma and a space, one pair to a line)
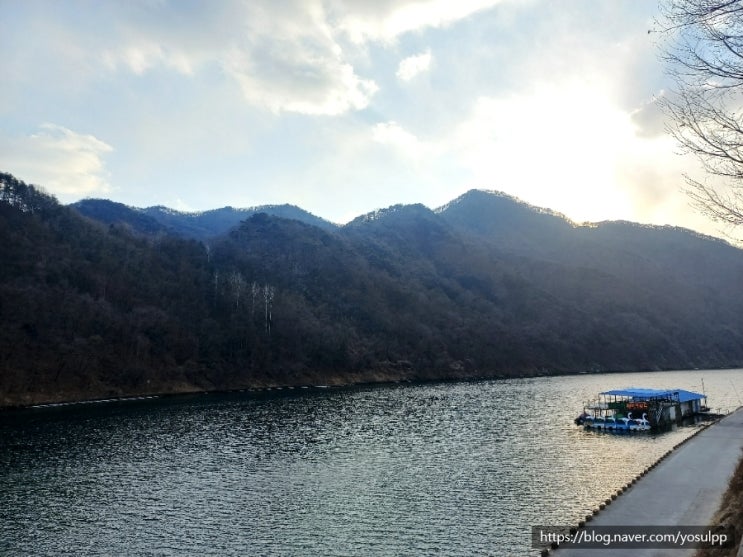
559, 147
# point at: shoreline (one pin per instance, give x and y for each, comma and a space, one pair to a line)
351, 384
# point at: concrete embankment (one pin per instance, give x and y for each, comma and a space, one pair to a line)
684, 489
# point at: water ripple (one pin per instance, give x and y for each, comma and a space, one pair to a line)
451, 469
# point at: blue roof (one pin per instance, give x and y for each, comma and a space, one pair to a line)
646, 394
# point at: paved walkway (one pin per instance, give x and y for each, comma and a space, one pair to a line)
685, 489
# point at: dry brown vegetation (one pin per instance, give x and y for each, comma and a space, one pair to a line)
729, 517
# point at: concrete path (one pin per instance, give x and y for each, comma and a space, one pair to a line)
685, 489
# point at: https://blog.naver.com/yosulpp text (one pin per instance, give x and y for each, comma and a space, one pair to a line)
630, 537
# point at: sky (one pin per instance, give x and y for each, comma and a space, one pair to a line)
342, 107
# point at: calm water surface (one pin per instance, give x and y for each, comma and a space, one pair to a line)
450, 469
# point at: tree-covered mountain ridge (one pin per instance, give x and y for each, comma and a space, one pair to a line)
199, 225
98, 299
213, 222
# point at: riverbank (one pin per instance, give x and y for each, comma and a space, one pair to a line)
394, 374
729, 517
684, 489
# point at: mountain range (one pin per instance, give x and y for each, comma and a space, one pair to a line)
99, 299
197, 225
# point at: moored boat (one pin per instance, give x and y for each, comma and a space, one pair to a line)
608, 419
640, 409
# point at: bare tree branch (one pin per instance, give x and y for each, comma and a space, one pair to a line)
703, 51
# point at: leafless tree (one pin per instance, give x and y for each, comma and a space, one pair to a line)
268, 294
254, 291
237, 285
703, 51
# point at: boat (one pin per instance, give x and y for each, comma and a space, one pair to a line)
640, 409
601, 417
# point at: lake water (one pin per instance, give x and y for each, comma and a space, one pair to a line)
449, 468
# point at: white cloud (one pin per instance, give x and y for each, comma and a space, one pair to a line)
401, 140
295, 65
290, 56
414, 65
290, 79
145, 55
284, 56
64, 162
385, 20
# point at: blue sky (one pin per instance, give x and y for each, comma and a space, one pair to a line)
342, 107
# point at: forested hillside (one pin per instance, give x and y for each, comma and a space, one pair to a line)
200, 226
118, 302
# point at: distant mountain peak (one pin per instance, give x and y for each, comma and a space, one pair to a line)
162, 209
492, 197
416, 209
474, 195
504, 219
